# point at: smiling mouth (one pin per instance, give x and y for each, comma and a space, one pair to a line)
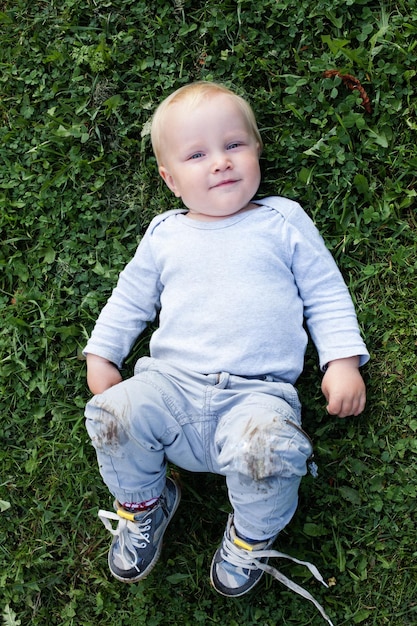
224, 183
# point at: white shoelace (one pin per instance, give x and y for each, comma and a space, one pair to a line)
132, 535
245, 559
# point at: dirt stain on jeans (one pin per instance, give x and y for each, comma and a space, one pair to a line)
112, 434
109, 433
259, 457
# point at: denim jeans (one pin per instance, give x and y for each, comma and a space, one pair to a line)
247, 429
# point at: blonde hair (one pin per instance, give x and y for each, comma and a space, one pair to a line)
193, 94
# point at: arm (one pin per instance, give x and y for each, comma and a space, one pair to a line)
330, 317
133, 303
101, 374
343, 387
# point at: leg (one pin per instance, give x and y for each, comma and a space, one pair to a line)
141, 423
135, 427
263, 453
128, 441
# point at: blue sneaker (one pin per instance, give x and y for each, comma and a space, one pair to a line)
238, 566
137, 540
234, 569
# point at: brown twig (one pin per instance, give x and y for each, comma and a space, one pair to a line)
351, 82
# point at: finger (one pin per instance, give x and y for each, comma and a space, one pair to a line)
334, 406
360, 406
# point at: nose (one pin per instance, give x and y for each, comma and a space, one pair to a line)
221, 163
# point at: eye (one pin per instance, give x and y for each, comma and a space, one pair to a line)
232, 146
196, 155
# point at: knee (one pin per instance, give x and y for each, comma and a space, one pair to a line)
279, 449
267, 448
257, 453
104, 425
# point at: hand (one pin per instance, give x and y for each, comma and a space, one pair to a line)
101, 374
344, 388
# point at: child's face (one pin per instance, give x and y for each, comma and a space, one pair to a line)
211, 158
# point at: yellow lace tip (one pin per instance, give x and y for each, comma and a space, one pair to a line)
242, 544
126, 515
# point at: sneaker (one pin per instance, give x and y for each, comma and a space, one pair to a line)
137, 540
238, 565
234, 569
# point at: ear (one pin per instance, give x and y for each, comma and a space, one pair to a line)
169, 180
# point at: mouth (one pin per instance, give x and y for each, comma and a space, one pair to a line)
225, 183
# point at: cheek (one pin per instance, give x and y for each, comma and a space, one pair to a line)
251, 163
254, 170
189, 183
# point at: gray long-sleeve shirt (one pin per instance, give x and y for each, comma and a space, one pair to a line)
232, 295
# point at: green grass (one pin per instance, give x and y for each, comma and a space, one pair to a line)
78, 185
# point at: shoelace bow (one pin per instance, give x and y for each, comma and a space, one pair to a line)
245, 558
132, 534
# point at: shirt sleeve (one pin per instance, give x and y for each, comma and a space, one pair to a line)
328, 308
132, 305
